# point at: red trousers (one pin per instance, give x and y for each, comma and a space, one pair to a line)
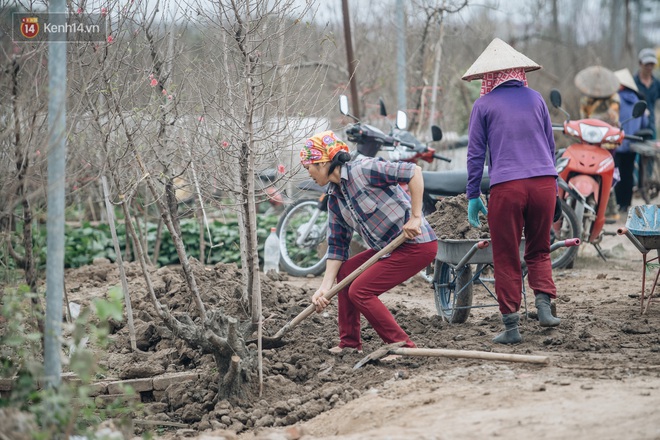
361, 296
528, 203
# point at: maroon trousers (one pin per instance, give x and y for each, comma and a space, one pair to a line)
361, 296
528, 203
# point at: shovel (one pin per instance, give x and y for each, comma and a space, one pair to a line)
440, 352
276, 340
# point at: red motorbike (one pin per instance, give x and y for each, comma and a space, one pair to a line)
586, 171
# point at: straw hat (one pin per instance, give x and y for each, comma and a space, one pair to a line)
626, 79
498, 56
597, 82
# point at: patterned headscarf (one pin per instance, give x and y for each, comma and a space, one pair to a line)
494, 79
321, 147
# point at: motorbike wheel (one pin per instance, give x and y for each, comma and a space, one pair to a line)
453, 295
308, 257
566, 227
650, 178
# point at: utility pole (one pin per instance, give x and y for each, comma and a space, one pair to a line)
352, 62
401, 55
56, 175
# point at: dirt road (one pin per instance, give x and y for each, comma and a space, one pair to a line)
603, 381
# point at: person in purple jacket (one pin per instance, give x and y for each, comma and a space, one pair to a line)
510, 131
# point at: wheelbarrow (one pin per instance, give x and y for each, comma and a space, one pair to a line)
453, 279
643, 230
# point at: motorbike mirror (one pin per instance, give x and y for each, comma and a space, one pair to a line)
401, 120
343, 104
383, 111
436, 133
555, 98
638, 109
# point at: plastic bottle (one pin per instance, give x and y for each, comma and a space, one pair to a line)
272, 252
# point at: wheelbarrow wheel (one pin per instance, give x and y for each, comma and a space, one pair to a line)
453, 291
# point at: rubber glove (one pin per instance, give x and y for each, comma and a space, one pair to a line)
475, 206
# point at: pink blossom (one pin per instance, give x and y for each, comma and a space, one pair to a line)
151, 76
164, 92
169, 97
110, 39
38, 153
201, 119
79, 11
281, 169
154, 82
225, 144
104, 11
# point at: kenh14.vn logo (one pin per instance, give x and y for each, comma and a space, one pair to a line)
30, 27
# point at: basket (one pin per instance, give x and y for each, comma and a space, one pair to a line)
453, 251
644, 223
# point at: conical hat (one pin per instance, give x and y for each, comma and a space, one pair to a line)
597, 82
626, 79
498, 56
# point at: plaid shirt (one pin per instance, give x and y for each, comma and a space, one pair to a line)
370, 201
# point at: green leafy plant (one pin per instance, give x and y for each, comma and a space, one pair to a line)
85, 243
67, 408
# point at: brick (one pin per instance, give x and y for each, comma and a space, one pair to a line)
138, 385
106, 399
162, 382
98, 388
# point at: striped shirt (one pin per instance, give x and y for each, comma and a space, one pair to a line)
370, 201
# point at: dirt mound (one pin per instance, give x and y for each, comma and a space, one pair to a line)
302, 379
450, 220
601, 336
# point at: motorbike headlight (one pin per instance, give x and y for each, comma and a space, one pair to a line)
591, 134
562, 163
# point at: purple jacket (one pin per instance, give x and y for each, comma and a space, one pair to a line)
511, 127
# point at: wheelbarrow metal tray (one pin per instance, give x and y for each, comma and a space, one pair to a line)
644, 223
452, 251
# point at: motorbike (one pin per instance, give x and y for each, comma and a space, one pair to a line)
586, 172
648, 166
302, 227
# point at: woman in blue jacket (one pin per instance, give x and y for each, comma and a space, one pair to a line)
624, 158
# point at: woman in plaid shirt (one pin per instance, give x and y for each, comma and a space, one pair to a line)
364, 196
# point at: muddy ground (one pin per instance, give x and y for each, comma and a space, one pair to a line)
602, 380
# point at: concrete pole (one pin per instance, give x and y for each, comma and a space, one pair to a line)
56, 175
401, 55
352, 62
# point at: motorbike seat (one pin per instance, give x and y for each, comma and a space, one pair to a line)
451, 182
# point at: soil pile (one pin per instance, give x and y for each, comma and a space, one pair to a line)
450, 220
601, 337
301, 379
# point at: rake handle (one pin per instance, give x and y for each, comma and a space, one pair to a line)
470, 354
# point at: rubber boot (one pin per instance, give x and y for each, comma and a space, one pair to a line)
544, 311
511, 335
